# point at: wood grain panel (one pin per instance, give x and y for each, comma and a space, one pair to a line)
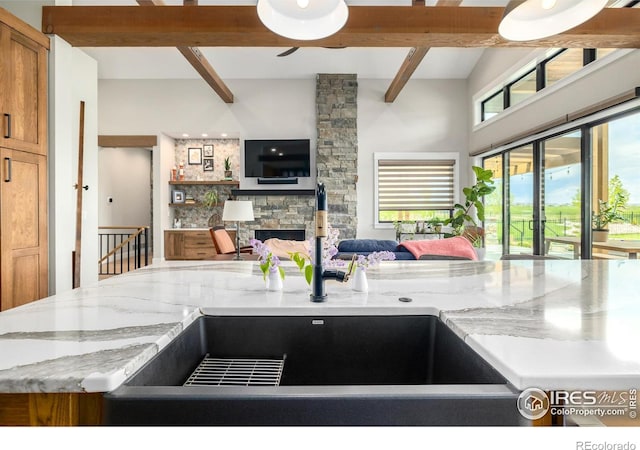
59, 409
23, 228
24, 94
23, 76
121, 141
23, 28
367, 26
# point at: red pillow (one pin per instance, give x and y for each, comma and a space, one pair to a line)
454, 246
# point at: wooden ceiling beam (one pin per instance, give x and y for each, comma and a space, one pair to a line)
412, 61
410, 64
367, 26
202, 66
197, 59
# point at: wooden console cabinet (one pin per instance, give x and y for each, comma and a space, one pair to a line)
190, 244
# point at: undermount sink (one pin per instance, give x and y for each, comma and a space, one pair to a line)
311, 370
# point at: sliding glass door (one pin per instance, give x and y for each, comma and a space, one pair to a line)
561, 196
549, 190
519, 218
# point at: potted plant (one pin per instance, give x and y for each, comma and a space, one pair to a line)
607, 213
227, 169
461, 219
210, 198
435, 224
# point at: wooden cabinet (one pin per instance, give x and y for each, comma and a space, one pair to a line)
23, 89
23, 228
23, 171
190, 244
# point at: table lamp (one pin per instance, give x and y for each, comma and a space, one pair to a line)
237, 211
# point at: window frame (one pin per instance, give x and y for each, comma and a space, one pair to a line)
412, 156
540, 70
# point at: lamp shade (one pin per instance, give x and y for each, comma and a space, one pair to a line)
237, 211
526, 20
303, 19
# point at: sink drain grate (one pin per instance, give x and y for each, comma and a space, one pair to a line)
237, 372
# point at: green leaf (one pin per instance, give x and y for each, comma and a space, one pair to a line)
281, 270
308, 273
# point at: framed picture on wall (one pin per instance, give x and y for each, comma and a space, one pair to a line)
207, 151
177, 196
194, 156
207, 165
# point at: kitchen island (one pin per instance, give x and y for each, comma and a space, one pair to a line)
551, 324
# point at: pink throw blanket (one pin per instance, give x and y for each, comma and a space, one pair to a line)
281, 248
454, 246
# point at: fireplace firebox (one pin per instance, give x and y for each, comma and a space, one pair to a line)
289, 235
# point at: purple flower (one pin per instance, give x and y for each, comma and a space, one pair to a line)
374, 258
268, 261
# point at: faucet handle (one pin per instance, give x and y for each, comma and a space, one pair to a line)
350, 268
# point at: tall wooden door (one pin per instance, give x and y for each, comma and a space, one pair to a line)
23, 92
23, 228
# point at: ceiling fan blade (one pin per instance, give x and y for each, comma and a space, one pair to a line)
288, 52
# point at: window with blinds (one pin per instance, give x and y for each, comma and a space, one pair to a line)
415, 189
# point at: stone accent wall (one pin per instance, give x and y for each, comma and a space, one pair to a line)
283, 212
202, 217
336, 160
337, 151
221, 149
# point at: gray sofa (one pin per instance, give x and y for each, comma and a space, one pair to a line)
348, 247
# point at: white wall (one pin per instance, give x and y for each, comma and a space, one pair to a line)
613, 75
163, 161
125, 177
429, 115
72, 78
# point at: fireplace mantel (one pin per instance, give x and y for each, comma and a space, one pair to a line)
236, 192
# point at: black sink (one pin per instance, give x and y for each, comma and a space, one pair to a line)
346, 370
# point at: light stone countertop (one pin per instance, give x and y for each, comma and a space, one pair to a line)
550, 324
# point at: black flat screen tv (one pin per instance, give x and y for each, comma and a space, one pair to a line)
271, 158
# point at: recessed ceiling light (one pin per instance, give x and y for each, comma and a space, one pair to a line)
204, 135
223, 134
280, 154
185, 135
273, 149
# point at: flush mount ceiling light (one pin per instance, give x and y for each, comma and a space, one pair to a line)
526, 20
303, 19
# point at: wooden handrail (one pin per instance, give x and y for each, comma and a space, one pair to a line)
122, 244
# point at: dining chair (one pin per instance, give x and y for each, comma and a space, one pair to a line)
224, 244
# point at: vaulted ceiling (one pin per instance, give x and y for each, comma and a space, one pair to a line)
387, 39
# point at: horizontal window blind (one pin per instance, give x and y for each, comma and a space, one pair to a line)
415, 185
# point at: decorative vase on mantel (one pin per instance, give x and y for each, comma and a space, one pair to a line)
228, 175
599, 235
274, 281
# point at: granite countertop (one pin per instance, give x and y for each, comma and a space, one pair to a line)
548, 324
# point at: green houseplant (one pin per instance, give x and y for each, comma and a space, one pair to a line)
227, 169
210, 198
474, 195
607, 213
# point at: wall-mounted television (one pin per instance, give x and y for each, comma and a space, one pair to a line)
284, 158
